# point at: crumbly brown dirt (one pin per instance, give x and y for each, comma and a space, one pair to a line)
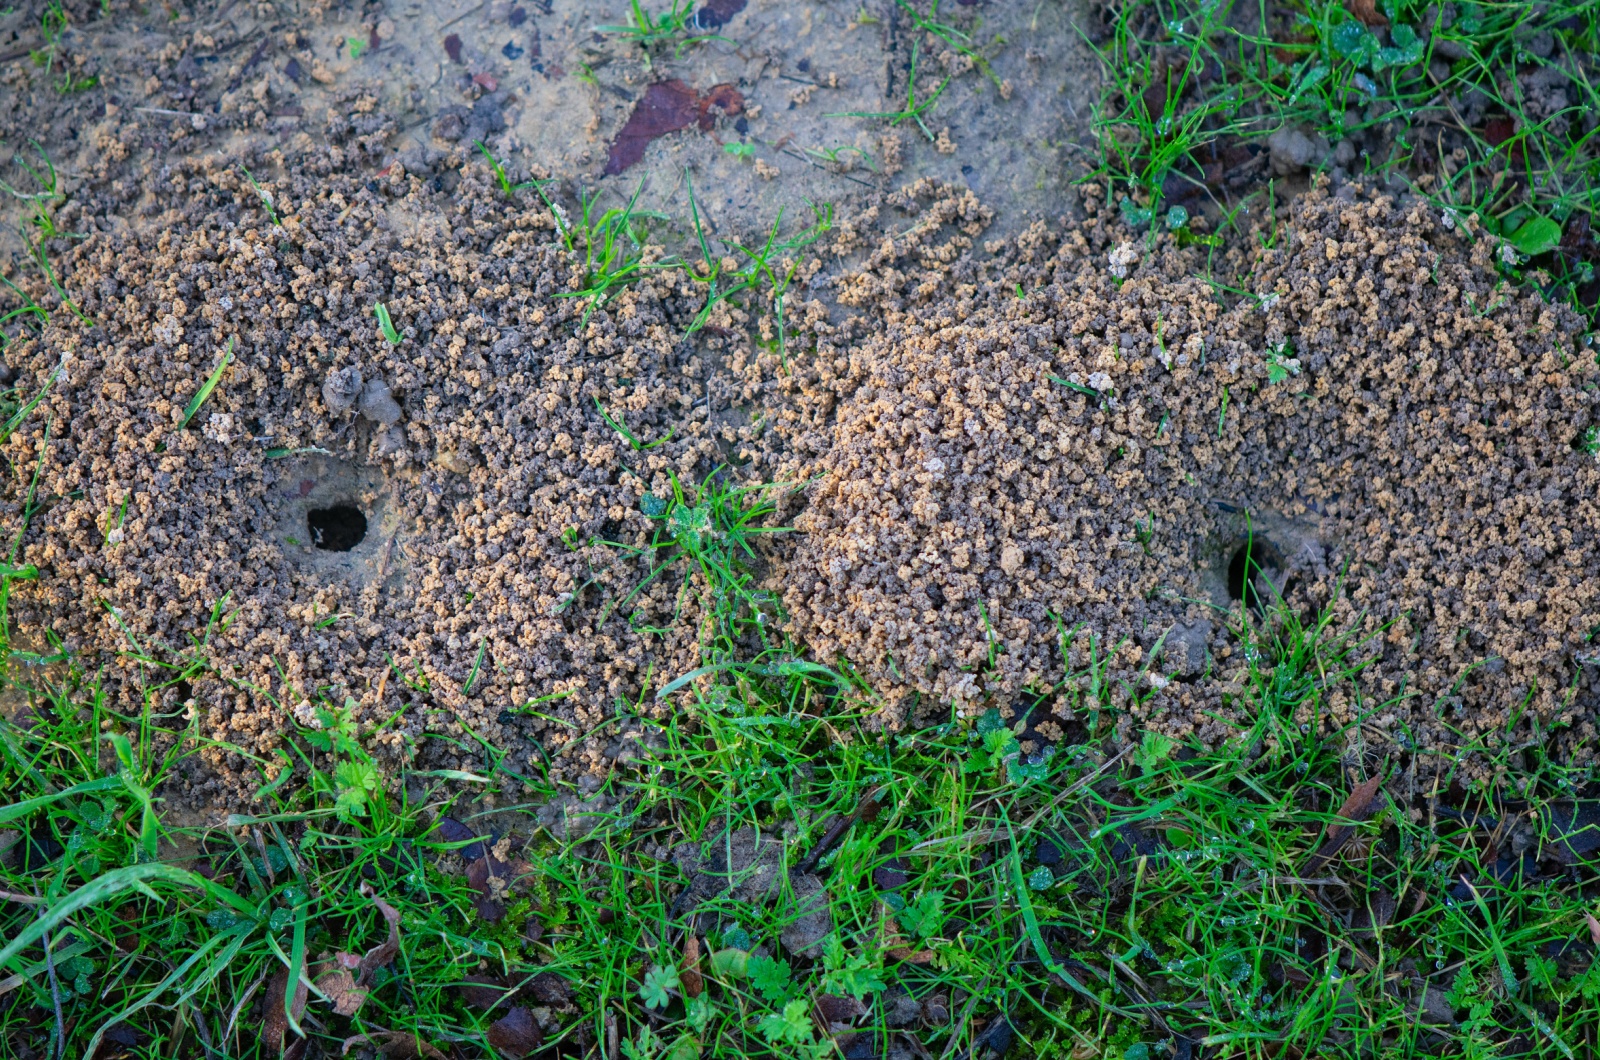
465, 598
1419, 471
969, 506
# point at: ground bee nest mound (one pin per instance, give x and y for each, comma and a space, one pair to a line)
1071, 459
1051, 444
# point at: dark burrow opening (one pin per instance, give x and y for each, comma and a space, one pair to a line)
337, 529
1254, 556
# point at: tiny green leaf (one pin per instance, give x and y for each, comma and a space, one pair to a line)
1536, 236
659, 982
206, 388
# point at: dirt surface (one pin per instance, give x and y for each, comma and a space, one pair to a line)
1417, 464
1029, 434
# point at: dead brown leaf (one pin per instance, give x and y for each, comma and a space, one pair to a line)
516, 1034
275, 1022
911, 956
1367, 11
693, 982
482, 991
836, 1013
341, 988
482, 876
385, 952
1357, 808
668, 107
548, 988
396, 1045
1594, 927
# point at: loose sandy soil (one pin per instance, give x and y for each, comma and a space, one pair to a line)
1015, 417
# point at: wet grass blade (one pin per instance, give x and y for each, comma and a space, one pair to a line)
27, 806
210, 385
131, 877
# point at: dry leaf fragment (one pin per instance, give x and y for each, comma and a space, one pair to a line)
836, 1012
396, 1045
516, 1034
341, 988
690, 977
482, 991
1357, 808
1594, 926
549, 988
911, 956
382, 954
275, 1024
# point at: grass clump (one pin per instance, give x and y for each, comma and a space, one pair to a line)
763, 874
1486, 109
680, 25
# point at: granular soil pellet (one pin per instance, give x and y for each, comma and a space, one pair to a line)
1024, 456
1044, 468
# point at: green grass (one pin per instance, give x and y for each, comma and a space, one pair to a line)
1095, 903
676, 25
1440, 111
998, 879
37, 229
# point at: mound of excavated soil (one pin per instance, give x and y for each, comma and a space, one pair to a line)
1395, 421
467, 473
446, 529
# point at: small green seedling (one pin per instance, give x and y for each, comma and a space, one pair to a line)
265, 197
740, 150
205, 390
613, 249
504, 180
628, 436
385, 324
357, 45
649, 31
914, 108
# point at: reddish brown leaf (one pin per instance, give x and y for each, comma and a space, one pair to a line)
382, 954
693, 982
668, 107
1358, 807
452, 47
485, 81
665, 107
516, 1034
1367, 11
1498, 130
1594, 927
396, 1045
725, 98
479, 874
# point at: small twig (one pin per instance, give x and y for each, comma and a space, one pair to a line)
464, 14
866, 809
